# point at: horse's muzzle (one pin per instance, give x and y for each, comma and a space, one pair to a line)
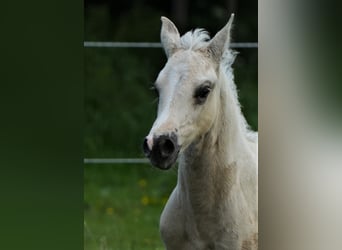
164, 151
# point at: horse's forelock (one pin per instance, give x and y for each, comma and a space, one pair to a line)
198, 39
194, 40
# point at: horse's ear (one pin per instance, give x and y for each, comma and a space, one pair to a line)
169, 37
220, 43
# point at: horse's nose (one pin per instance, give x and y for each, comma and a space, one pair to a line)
163, 151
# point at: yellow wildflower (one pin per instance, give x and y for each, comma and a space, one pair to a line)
145, 200
109, 210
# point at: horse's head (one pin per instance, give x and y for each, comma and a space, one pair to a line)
188, 95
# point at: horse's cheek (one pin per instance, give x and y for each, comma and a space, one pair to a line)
210, 112
206, 122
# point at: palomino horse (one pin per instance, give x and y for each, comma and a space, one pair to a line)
214, 204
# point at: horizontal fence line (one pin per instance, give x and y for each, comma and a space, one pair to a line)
115, 161
91, 44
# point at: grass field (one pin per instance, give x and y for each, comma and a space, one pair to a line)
123, 204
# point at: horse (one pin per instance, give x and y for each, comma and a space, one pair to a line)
199, 122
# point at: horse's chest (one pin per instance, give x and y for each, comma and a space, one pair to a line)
204, 234
183, 227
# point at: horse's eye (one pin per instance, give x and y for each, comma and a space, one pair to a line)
201, 94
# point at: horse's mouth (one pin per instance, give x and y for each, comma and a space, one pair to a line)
163, 163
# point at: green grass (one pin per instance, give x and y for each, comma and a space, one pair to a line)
123, 204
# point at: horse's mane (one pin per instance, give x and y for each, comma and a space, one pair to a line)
198, 39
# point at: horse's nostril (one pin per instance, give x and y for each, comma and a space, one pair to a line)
146, 149
162, 151
167, 147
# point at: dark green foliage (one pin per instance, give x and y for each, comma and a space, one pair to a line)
119, 103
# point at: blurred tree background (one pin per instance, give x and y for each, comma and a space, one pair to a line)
123, 202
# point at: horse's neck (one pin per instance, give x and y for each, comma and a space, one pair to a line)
208, 166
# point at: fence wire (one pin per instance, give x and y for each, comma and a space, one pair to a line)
92, 44
116, 161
